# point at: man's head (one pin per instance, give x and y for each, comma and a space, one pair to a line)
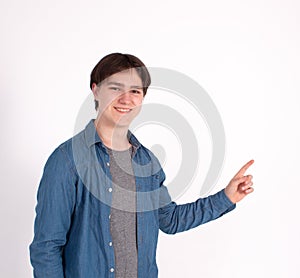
118, 62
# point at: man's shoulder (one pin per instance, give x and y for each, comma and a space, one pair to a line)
69, 144
65, 150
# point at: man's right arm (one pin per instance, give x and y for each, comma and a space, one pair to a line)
55, 205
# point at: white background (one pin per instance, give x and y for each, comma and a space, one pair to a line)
246, 56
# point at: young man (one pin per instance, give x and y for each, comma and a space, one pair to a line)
101, 200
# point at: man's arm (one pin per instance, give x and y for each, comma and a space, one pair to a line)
175, 218
55, 204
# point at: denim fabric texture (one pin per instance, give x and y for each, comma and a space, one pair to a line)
72, 227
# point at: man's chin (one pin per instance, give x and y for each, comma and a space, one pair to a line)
123, 123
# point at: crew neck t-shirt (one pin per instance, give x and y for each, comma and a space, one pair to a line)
123, 213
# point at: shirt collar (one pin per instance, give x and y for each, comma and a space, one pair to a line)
92, 137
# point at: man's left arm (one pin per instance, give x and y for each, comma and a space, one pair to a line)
175, 218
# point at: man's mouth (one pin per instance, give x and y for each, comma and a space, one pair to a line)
123, 110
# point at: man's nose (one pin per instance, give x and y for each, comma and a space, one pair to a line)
125, 98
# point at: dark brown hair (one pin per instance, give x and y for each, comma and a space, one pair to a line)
117, 62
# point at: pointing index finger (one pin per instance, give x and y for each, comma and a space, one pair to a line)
242, 171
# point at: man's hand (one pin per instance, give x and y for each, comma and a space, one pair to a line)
240, 185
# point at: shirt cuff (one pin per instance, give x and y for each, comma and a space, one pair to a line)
222, 202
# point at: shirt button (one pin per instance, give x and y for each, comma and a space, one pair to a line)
109, 216
110, 243
107, 163
110, 189
112, 269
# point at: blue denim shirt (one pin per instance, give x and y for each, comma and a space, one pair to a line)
72, 227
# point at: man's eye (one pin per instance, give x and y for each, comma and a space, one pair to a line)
136, 91
115, 89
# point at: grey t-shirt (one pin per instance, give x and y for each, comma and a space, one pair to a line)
123, 214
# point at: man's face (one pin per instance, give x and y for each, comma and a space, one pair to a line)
120, 97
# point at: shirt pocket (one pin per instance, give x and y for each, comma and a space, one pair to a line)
148, 193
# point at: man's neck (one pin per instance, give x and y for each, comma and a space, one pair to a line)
113, 137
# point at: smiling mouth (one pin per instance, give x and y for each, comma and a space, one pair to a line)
123, 110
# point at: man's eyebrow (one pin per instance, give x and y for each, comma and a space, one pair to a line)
115, 83
136, 87
122, 85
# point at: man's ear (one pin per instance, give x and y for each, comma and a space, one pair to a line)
95, 90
